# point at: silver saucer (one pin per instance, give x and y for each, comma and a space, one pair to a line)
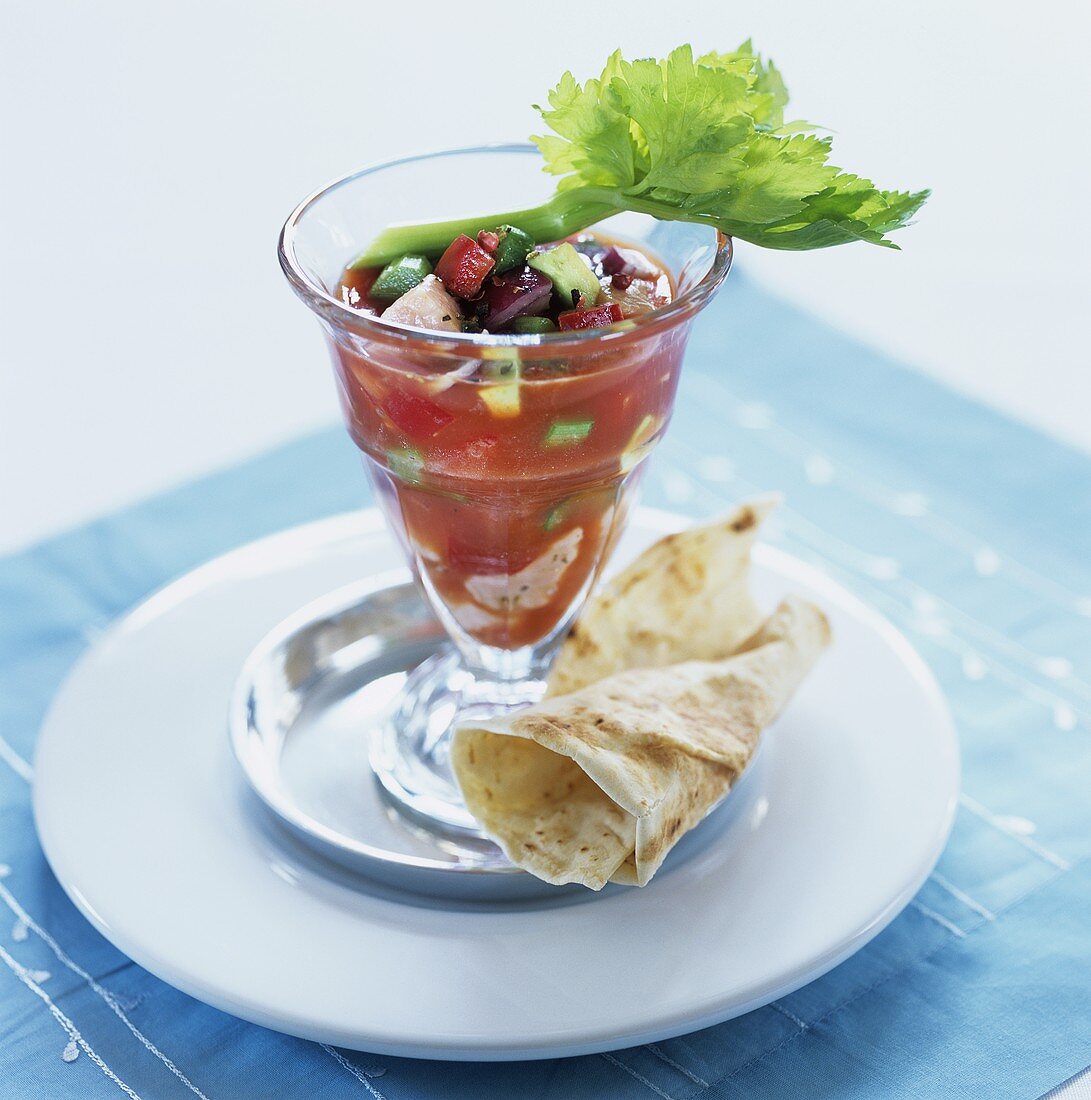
307, 705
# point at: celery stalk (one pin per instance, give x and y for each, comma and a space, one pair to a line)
567, 212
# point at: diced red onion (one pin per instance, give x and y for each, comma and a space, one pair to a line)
515, 294
613, 263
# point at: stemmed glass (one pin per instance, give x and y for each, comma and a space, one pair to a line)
506, 465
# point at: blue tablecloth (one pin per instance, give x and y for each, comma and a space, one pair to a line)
971, 532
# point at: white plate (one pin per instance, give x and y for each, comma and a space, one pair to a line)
146, 823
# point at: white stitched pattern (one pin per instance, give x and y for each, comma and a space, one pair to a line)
791, 1015
663, 1057
1000, 823
74, 1037
358, 1074
961, 895
942, 921
909, 503
638, 1076
62, 956
14, 761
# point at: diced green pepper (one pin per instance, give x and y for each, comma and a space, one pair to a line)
406, 464
399, 277
561, 433
532, 325
573, 281
512, 249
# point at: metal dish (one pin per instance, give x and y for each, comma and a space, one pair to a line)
311, 698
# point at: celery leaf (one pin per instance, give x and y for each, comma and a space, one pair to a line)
705, 140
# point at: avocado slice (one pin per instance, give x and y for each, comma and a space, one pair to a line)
569, 273
502, 397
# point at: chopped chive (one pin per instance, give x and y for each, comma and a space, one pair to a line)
564, 432
555, 515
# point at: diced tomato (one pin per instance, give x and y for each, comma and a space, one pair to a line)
607, 314
488, 240
464, 266
418, 417
482, 560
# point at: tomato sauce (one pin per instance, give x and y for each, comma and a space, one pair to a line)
508, 475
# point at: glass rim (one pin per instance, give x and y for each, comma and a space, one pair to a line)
322, 302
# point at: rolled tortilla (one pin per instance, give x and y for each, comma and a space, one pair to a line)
686, 598
598, 785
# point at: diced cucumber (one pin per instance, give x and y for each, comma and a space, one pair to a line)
502, 397
512, 249
563, 433
532, 325
573, 280
400, 276
406, 464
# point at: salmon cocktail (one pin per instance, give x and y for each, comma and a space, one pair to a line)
506, 375
504, 393
508, 474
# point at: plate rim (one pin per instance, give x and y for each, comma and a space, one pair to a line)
715, 1009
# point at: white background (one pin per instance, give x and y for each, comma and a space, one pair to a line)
150, 152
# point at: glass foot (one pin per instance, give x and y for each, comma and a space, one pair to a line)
410, 753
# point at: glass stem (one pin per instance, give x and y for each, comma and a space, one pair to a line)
503, 666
